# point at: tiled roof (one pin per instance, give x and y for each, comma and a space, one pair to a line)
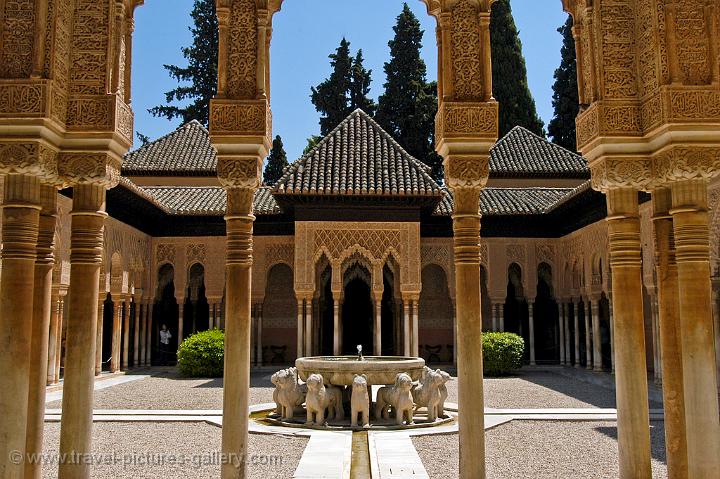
357, 158
199, 200
521, 153
186, 151
511, 201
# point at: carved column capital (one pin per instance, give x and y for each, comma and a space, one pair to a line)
29, 158
626, 172
97, 168
680, 163
466, 171
243, 172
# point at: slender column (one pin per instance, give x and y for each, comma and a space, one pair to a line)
588, 335
415, 325
716, 319
566, 308
576, 323
612, 334
597, 352
211, 316
669, 319
300, 328
42, 305
148, 332
99, 335
136, 333
657, 349
126, 334
258, 351
142, 309
561, 327
531, 330
494, 308
501, 316
239, 220
406, 328
117, 328
58, 346
20, 218
308, 326
690, 226
466, 227
86, 249
52, 338
181, 324
631, 377
336, 325
377, 343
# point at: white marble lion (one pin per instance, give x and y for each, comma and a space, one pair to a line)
321, 398
360, 401
428, 392
289, 394
397, 396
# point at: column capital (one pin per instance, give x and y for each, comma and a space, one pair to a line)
100, 168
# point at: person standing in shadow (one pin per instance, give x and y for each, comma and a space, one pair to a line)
165, 336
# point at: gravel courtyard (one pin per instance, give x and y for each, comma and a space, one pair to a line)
520, 449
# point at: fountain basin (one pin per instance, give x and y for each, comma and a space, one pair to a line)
341, 370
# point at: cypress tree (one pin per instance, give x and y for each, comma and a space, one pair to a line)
199, 78
510, 86
407, 108
345, 90
565, 93
331, 96
360, 86
276, 161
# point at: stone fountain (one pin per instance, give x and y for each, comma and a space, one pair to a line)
321, 392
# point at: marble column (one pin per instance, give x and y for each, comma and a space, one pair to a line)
494, 308
181, 319
588, 334
148, 332
596, 344
142, 324
42, 305
86, 252
99, 334
576, 323
126, 334
137, 314
568, 339
669, 319
53, 336
301, 328
501, 317
20, 219
716, 318
59, 344
239, 220
415, 328
211, 316
691, 233
612, 334
259, 342
407, 342
309, 331
377, 329
561, 328
116, 337
631, 374
531, 330
336, 324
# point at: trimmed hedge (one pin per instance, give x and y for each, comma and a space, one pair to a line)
502, 353
201, 355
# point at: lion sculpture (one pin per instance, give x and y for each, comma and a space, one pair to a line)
321, 398
289, 394
397, 396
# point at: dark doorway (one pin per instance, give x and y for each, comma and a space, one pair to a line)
107, 333
516, 308
326, 307
545, 316
165, 311
357, 317
388, 313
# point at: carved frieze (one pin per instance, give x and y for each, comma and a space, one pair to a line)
29, 158
466, 49
240, 117
243, 172
685, 163
467, 171
165, 253
18, 38
97, 168
622, 173
242, 50
467, 120
196, 253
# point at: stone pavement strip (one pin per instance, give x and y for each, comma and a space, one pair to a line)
393, 456
327, 456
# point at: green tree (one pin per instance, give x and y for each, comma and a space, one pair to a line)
565, 93
311, 143
276, 161
510, 86
345, 90
407, 108
360, 87
198, 80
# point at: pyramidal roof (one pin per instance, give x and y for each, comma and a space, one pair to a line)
358, 158
186, 151
522, 153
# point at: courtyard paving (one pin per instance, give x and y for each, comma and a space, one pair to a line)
516, 449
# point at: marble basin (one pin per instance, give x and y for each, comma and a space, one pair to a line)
340, 370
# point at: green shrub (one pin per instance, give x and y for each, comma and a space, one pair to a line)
201, 355
502, 353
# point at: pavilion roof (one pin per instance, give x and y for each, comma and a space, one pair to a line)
512, 201
358, 158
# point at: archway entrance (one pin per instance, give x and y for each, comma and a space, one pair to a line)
357, 311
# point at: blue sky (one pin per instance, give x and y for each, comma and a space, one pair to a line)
304, 33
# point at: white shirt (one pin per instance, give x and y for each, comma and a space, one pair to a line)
165, 337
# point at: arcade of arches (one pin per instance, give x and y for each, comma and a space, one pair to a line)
89, 274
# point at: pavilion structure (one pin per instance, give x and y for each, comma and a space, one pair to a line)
649, 88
